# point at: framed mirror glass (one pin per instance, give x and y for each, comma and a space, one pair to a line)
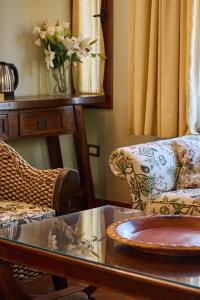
17, 20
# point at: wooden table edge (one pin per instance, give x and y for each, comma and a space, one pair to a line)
130, 283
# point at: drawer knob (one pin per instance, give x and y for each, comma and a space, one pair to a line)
42, 123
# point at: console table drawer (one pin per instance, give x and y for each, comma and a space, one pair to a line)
46, 122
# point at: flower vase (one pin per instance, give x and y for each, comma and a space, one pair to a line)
58, 81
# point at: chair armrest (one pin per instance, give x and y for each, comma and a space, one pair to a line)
64, 195
22, 182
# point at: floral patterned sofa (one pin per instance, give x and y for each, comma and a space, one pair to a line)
163, 176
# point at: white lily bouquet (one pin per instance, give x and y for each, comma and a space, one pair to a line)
61, 49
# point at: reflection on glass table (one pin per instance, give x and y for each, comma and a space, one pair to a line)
82, 236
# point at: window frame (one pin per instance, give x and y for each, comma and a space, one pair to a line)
107, 27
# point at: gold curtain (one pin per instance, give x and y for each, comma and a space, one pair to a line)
88, 77
158, 35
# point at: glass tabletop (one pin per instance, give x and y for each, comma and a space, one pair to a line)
83, 236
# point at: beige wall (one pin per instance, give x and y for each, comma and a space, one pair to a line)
17, 20
107, 128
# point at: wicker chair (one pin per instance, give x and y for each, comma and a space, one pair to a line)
28, 195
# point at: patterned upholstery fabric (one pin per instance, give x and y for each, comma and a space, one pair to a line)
148, 168
185, 202
17, 213
151, 169
189, 156
14, 213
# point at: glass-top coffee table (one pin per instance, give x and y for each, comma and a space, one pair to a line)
76, 245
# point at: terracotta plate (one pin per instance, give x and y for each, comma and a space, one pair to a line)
166, 235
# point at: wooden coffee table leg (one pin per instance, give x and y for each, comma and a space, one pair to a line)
9, 288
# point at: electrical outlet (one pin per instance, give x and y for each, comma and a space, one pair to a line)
94, 150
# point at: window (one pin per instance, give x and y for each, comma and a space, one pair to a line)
79, 10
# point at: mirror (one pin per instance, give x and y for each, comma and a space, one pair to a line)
17, 20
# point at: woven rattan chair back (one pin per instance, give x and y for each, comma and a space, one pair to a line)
18, 179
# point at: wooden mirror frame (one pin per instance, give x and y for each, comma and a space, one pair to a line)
107, 27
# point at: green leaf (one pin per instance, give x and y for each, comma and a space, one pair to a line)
178, 206
102, 56
145, 186
50, 39
80, 61
164, 210
93, 42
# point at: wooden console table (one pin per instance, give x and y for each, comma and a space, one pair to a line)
51, 116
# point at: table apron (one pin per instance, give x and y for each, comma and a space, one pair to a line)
141, 286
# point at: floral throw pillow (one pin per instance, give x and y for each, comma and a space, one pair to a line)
188, 152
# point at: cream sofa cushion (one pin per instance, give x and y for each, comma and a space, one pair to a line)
185, 202
17, 213
188, 152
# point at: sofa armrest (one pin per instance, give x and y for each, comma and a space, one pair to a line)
149, 169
